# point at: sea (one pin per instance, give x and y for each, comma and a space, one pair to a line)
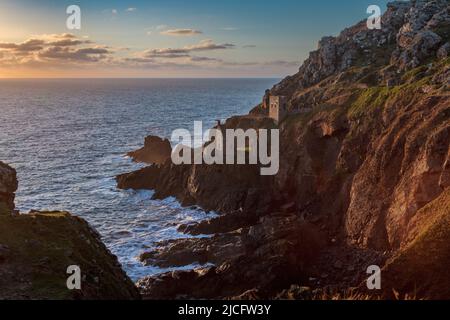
68, 139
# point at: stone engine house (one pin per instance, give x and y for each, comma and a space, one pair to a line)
278, 107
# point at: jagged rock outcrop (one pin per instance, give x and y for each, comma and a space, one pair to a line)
214, 187
418, 38
361, 166
37, 248
8, 186
155, 151
411, 33
40, 246
269, 255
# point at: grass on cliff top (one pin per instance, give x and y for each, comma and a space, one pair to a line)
364, 101
42, 246
374, 99
367, 100
36, 242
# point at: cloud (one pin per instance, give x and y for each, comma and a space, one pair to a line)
204, 45
131, 9
69, 52
69, 42
208, 45
139, 60
273, 63
43, 49
114, 11
181, 32
164, 52
5, 45
27, 46
80, 55
230, 29
205, 59
54, 36
168, 55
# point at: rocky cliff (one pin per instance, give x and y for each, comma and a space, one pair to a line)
155, 151
37, 248
367, 170
8, 186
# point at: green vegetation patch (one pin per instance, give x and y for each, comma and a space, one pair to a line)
369, 99
44, 245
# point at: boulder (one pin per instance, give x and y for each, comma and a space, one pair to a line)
423, 45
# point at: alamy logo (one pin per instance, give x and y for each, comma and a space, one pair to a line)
228, 146
74, 20
374, 21
374, 281
74, 280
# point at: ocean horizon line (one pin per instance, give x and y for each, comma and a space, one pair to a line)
140, 78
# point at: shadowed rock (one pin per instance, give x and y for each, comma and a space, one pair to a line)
267, 256
8, 186
155, 151
37, 248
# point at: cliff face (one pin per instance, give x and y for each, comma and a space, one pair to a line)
8, 185
375, 148
214, 187
370, 161
37, 248
419, 267
362, 166
411, 33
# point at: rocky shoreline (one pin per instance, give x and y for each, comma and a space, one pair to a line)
357, 177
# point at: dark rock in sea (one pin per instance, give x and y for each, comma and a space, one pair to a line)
224, 223
267, 257
268, 232
178, 253
155, 151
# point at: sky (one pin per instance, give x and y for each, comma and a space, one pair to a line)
168, 38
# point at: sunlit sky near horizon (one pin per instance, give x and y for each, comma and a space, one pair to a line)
168, 38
